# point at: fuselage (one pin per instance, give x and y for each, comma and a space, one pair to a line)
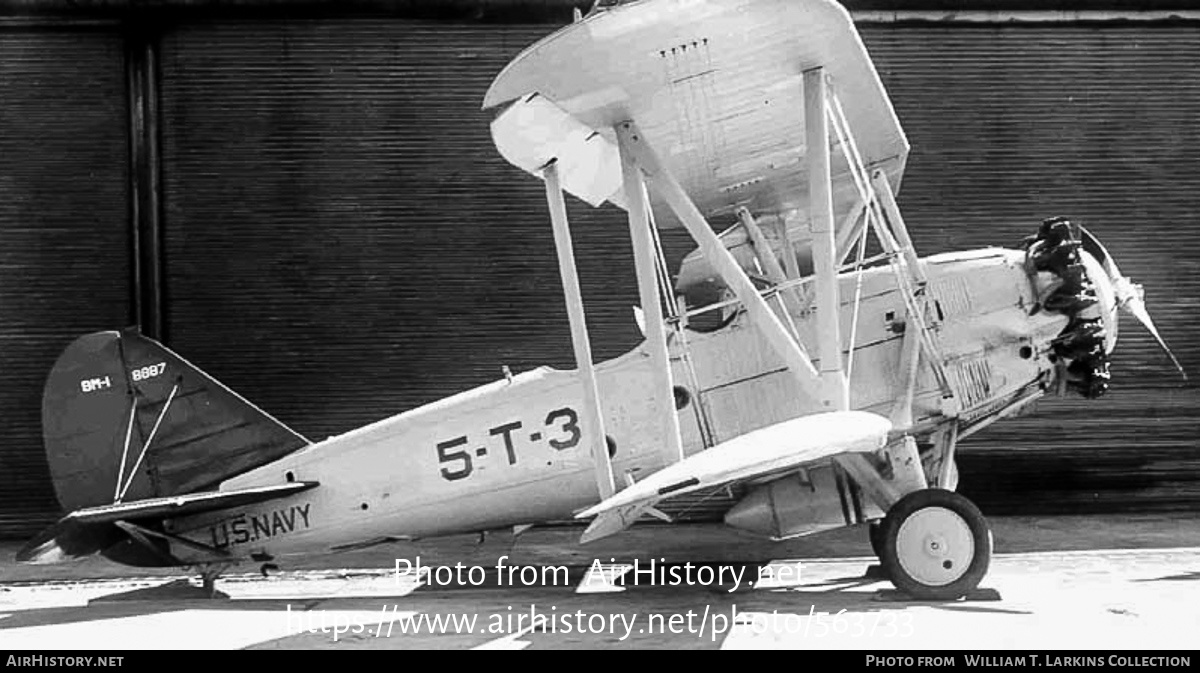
517, 451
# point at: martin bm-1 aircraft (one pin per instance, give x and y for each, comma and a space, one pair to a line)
805, 360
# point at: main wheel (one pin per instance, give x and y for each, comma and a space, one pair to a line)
936, 545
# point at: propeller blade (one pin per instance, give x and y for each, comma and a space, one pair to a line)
1130, 297
1093, 246
1137, 308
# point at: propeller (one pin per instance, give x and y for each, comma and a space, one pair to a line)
1129, 295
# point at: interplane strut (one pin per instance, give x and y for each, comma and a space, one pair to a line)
836, 391
648, 289
665, 185
826, 378
579, 334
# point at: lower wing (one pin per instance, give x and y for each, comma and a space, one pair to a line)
764, 452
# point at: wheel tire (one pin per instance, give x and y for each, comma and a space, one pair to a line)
936, 545
875, 535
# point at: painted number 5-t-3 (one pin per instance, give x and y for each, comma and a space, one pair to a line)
456, 461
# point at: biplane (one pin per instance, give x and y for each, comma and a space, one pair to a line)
805, 360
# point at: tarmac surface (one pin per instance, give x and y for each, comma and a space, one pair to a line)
1116, 582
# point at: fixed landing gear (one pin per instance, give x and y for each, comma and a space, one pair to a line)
874, 533
934, 544
208, 578
208, 581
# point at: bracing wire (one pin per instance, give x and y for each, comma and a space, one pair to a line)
660, 259
146, 446
862, 253
125, 451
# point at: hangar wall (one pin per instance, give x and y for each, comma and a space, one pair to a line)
338, 240
64, 230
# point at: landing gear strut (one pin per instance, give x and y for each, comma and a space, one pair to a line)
934, 544
875, 535
208, 577
208, 580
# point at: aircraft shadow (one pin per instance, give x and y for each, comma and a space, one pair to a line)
129, 607
862, 597
173, 596
1181, 577
849, 594
175, 590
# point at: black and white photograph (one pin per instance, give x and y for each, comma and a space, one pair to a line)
863, 326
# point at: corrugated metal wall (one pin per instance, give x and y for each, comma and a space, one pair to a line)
1010, 124
64, 231
342, 242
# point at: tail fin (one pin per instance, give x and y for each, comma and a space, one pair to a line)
125, 418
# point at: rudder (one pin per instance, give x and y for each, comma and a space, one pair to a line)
125, 418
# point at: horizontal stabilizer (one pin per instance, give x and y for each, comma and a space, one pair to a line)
775, 448
93, 529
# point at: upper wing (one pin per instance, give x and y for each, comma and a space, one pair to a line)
787, 445
715, 86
